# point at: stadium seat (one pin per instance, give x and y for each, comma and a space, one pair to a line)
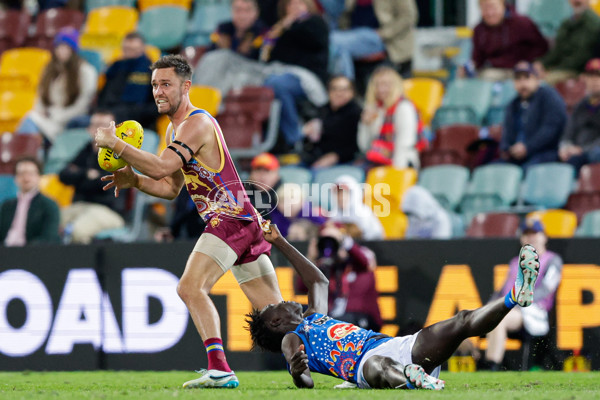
163, 27
329, 175
94, 58
206, 16
293, 174
502, 180
548, 185
15, 146
473, 204
426, 94
394, 225
388, 183
467, 94
590, 225
582, 202
93, 4
23, 67
52, 20
144, 4
493, 225
246, 112
447, 183
595, 5
455, 138
557, 223
13, 28
451, 115
432, 157
549, 14
8, 187
51, 186
64, 149
13, 107
589, 178
572, 91
206, 97
105, 28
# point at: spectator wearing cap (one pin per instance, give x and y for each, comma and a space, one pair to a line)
127, 92
580, 143
263, 183
534, 120
533, 319
574, 44
244, 33
66, 90
502, 39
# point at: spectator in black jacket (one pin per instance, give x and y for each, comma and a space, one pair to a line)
127, 92
31, 217
332, 138
93, 209
300, 38
580, 143
534, 120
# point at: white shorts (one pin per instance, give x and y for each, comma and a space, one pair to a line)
398, 349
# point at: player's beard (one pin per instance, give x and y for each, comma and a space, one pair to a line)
173, 109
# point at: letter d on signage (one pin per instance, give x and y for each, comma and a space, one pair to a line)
23, 285
139, 284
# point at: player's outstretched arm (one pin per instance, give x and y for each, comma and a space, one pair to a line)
293, 351
313, 278
125, 178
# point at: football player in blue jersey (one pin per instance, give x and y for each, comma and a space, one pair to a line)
312, 341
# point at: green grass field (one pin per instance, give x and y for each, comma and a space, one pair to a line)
278, 385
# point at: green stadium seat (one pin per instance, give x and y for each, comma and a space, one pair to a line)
66, 146
8, 187
92, 4
293, 174
164, 27
206, 16
548, 14
447, 183
548, 185
466, 94
590, 225
502, 180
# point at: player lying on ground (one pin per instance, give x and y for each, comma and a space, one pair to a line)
315, 342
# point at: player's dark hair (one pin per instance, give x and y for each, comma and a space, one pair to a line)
262, 336
179, 63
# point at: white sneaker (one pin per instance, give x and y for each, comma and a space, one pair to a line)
213, 378
529, 267
417, 378
346, 385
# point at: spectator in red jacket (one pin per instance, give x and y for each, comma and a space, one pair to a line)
502, 39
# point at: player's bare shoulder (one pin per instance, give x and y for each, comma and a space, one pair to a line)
196, 131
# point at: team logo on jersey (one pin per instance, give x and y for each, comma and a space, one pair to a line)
340, 331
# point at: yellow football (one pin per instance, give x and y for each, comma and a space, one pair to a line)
132, 133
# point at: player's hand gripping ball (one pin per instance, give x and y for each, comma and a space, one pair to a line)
132, 133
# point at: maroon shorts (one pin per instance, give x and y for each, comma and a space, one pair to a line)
244, 237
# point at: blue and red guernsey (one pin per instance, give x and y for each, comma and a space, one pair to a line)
335, 347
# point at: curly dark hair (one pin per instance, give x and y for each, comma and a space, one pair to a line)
263, 337
181, 65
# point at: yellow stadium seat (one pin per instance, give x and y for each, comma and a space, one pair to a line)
105, 28
595, 5
21, 68
206, 97
426, 94
388, 183
143, 4
152, 52
51, 186
13, 107
557, 223
394, 225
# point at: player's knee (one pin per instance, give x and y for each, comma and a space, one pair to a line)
186, 289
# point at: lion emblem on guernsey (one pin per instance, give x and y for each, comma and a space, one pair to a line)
340, 331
